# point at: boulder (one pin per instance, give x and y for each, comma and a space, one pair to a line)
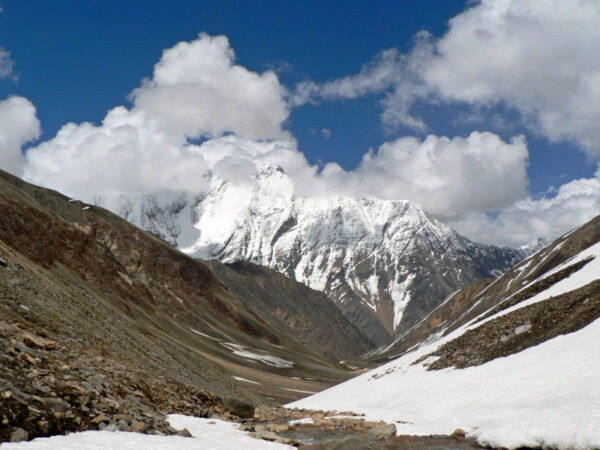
381, 432
239, 408
18, 435
184, 433
459, 433
37, 341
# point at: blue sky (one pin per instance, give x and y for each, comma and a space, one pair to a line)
76, 61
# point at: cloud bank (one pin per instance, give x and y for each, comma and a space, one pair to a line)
539, 57
202, 113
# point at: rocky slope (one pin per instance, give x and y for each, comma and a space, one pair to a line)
384, 263
308, 316
87, 296
562, 275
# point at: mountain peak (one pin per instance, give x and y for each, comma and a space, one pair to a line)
268, 170
385, 263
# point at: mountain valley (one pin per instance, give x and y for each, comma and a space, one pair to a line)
384, 263
105, 326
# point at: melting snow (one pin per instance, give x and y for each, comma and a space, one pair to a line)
547, 395
306, 420
205, 335
207, 434
300, 390
270, 360
245, 380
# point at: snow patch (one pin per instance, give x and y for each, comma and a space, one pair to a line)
265, 358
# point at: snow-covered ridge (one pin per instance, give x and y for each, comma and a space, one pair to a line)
378, 253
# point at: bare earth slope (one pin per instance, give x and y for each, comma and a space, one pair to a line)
119, 302
309, 316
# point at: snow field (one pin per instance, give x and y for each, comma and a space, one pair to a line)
547, 395
207, 434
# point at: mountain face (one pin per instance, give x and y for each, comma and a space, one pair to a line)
306, 315
555, 290
384, 263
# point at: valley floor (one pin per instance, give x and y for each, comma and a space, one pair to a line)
316, 431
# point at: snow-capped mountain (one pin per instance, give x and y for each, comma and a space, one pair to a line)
384, 263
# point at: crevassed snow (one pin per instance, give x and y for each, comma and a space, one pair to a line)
207, 434
547, 395
270, 360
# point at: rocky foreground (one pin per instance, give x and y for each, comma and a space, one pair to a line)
48, 389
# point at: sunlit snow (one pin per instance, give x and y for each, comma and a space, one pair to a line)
207, 434
548, 395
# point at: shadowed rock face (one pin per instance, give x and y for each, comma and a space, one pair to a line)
384, 263
92, 292
309, 316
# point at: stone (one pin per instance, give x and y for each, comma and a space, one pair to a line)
100, 418
239, 407
87, 386
97, 381
122, 425
381, 432
18, 435
126, 417
37, 341
266, 435
523, 329
459, 433
185, 433
111, 427
138, 425
56, 404
278, 427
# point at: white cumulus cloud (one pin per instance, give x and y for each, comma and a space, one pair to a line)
447, 176
18, 125
196, 91
212, 94
574, 203
539, 57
